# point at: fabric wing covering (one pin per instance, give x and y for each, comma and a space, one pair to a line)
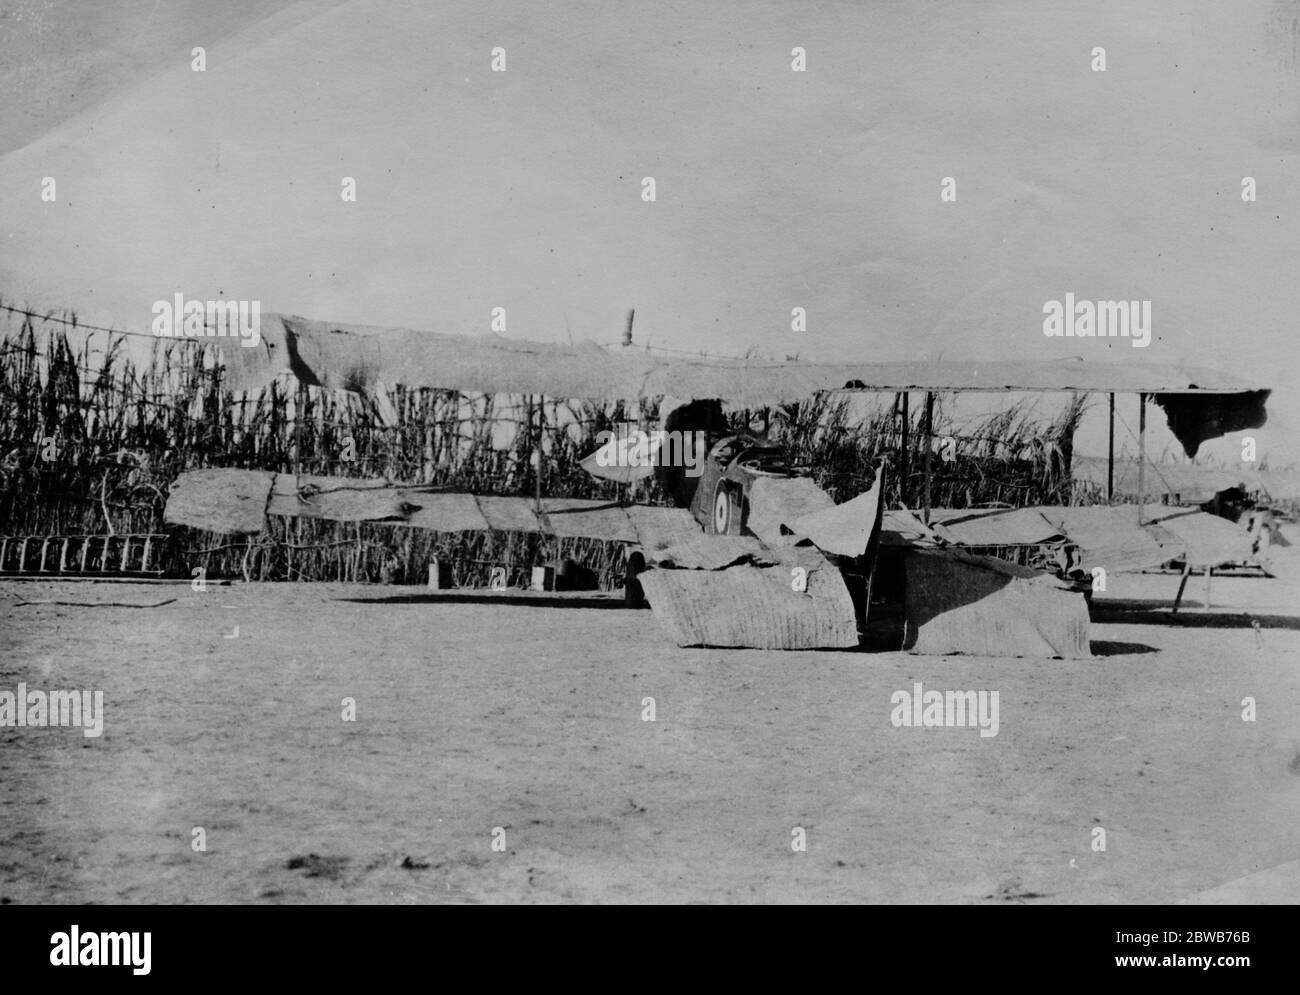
741, 590
707, 590
1106, 536
1201, 404
238, 501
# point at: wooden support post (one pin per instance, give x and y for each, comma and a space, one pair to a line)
929, 432
1142, 454
1182, 585
298, 407
537, 452
1110, 454
902, 469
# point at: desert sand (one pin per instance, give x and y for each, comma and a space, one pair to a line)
526, 715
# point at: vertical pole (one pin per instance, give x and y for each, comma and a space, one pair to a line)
298, 407
1110, 454
531, 440
902, 466
1182, 585
1142, 453
537, 452
929, 430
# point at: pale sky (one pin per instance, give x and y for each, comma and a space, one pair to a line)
775, 189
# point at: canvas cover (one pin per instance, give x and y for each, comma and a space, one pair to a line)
223, 501
981, 606
776, 589
775, 502
844, 529
1106, 536
754, 606
1207, 540
740, 590
238, 501
1110, 538
1201, 404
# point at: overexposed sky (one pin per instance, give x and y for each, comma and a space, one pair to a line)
775, 189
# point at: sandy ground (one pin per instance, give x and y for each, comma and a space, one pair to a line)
480, 713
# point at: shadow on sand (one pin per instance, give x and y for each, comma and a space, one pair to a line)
1159, 613
1111, 647
527, 599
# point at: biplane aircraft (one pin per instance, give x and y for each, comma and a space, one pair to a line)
755, 554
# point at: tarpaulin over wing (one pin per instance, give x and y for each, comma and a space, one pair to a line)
659, 528
448, 513
709, 552
573, 517
1207, 540
359, 358
900, 527
1201, 403
754, 606
339, 499
845, 529
772, 590
238, 501
1106, 536
1110, 538
225, 501
775, 502
981, 606
993, 527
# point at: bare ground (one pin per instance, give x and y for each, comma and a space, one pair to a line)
477, 713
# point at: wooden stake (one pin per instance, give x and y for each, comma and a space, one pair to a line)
1110, 454
1182, 584
902, 469
929, 430
1142, 455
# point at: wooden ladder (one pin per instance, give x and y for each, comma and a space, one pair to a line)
134, 554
